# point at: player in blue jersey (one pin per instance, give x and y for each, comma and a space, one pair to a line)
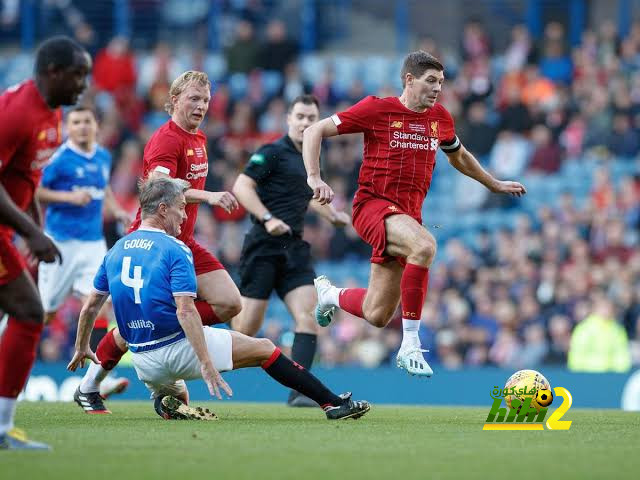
75, 186
152, 282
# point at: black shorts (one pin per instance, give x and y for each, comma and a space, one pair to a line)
282, 263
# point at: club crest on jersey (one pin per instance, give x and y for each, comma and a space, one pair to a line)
433, 129
396, 124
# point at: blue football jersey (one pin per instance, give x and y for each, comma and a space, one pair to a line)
142, 272
72, 169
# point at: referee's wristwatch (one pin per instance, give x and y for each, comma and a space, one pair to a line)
266, 217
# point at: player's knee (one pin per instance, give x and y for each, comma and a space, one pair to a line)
266, 348
424, 251
226, 311
380, 318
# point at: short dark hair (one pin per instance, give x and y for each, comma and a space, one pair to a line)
82, 108
307, 99
419, 62
58, 51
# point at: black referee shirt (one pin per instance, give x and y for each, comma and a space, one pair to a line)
281, 179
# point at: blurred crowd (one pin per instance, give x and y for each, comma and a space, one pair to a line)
559, 285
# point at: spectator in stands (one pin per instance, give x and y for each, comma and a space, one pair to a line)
278, 50
242, 53
114, 70
547, 154
599, 343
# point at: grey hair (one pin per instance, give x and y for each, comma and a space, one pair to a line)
157, 190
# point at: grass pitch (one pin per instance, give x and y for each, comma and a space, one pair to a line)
264, 441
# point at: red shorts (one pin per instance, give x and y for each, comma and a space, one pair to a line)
368, 221
12, 264
203, 260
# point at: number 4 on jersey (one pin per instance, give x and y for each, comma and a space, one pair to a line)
136, 282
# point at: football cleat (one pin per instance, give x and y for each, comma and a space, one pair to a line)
90, 402
16, 439
324, 311
170, 408
348, 409
113, 386
413, 362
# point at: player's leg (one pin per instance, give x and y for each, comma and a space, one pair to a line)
249, 320
109, 351
88, 256
376, 304
19, 298
300, 301
55, 280
258, 275
218, 297
408, 239
253, 352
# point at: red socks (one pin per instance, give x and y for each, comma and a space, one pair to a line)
207, 314
108, 351
413, 290
351, 300
17, 354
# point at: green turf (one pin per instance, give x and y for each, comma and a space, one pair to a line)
264, 441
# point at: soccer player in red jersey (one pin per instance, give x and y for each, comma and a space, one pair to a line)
401, 136
30, 131
177, 149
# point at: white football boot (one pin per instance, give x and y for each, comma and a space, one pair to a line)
113, 386
324, 309
412, 360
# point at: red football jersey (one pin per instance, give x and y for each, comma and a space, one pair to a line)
30, 132
179, 154
399, 149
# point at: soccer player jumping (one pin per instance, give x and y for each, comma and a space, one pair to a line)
401, 137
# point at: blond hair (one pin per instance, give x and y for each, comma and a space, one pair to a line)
182, 82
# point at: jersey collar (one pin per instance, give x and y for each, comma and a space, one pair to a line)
76, 149
151, 229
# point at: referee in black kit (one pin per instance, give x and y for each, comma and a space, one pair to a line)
273, 188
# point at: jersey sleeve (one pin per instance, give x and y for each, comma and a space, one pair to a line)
358, 118
449, 142
100, 281
182, 273
52, 171
262, 163
161, 155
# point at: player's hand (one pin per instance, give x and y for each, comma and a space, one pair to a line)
224, 200
342, 219
80, 355
124, 218
79, 198
321, 191
214, 381
43, 247
276, 227
513, 188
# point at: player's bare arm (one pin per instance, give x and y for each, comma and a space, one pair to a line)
39, 244
88, 315
224, 200
245, 191
329, 213
113, 208
464, 161
76, 197
311, 143
192, 325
